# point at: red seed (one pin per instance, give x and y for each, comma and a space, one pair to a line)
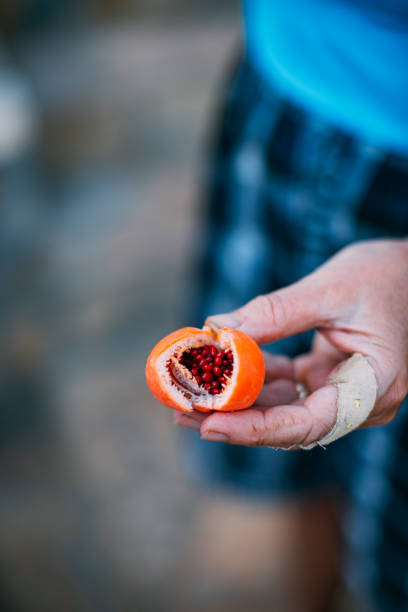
215, 391
213, 351
207, 367
194, 352
198, 380
217, 371
218, 361
205, 351
202, 363
208, 377
194, 372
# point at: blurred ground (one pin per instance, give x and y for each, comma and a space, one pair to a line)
95, 512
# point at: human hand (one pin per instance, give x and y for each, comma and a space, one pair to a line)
358, 303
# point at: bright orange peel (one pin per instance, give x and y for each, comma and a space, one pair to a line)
199, 369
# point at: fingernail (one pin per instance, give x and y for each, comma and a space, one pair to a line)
186, 421
214, 436
217, 322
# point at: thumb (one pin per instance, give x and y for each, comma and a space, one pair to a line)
289, 311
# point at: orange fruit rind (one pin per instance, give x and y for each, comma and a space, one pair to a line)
176, 378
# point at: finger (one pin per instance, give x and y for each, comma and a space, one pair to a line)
192, 420
278, 392
314, 368
279, 314
277, 366
322, 346
273, 394
280, 426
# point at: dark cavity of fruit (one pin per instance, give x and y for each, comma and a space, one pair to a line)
211, 368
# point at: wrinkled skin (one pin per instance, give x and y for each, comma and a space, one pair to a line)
357, 302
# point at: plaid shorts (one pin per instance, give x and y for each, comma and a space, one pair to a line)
284, 192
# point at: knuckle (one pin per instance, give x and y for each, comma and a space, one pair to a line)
288, 429
273, 309
258, 432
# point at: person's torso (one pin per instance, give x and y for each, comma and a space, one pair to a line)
347, 61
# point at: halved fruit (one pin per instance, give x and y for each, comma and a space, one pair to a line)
198, 369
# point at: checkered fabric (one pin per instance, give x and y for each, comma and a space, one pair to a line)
284, 192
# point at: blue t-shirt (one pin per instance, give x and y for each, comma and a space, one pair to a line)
345, 60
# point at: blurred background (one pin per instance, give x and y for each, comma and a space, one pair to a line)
104, 109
